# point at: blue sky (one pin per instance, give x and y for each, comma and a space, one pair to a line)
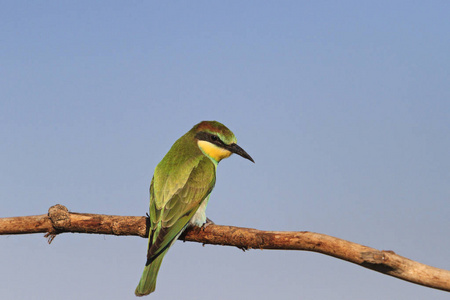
344, 107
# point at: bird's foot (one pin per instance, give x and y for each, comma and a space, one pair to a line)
207, 223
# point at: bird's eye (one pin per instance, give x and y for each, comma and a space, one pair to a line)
214, 138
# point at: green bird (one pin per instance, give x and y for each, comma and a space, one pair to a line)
180, 190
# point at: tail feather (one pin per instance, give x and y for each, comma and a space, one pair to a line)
147, 284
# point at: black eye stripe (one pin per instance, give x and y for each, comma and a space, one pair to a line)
209, 137
216, 140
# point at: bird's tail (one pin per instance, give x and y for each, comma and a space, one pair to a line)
147, 284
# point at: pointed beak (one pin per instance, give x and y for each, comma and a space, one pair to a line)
239, 151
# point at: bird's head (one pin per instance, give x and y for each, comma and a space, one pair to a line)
217, 141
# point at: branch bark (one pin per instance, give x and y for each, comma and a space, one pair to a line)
59, 220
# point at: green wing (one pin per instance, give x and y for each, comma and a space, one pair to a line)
176, 193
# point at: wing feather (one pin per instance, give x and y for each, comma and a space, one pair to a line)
175, 201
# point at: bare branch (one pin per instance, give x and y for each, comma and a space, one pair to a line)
60, 220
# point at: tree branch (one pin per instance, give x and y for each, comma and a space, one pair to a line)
59, 220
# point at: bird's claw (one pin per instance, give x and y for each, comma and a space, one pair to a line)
243, 248
207, 223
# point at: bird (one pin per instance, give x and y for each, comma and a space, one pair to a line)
180, 189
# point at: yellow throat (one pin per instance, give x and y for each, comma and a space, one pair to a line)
213, 151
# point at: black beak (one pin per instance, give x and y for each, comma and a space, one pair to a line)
234, 148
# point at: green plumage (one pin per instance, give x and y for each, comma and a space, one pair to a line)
182, 181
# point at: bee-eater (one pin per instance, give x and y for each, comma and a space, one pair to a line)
180, 190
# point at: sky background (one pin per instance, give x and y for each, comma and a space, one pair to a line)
345, 107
